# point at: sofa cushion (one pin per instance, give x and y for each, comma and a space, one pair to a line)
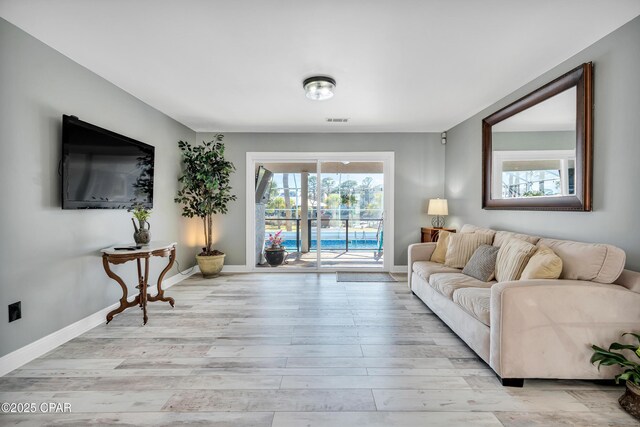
482, 264
462, 246
595, 262
447, 283
512, 258
503, 236
544, 264
468, 228
425, 269
440, 251
475, 301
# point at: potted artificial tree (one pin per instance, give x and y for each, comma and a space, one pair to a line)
630, 400
206, 192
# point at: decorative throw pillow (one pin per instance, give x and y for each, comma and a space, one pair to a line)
462, 246
468, 228
503, 236
513, 256
482, 264
441, 247
544, 264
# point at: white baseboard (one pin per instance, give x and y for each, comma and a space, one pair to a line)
177, 278
45, 344
235, 269
245, 269
398, 269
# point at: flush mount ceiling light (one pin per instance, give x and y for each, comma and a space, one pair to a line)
319, 88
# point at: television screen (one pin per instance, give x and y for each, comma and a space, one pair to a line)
102, 169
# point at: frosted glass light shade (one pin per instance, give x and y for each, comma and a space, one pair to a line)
319, 88
438, 207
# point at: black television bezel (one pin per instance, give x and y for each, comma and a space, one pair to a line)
68, 120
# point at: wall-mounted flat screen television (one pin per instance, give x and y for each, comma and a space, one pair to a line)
102, 169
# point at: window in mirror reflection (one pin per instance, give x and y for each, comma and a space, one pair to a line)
541, 173
534, 151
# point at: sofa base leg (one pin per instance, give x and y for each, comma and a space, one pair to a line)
512, 382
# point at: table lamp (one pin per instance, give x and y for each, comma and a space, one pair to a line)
439, 208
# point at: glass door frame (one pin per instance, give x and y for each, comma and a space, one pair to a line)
388, 160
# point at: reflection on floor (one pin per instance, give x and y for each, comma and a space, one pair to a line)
336, 258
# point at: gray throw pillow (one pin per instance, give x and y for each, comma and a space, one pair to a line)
482, 264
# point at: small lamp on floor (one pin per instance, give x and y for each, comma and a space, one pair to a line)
439, 208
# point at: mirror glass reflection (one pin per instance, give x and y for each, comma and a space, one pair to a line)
534, 151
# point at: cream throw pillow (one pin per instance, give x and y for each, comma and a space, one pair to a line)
440, 251
468, 228
544, 264
462, 246
513, 256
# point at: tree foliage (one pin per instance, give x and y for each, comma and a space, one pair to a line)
348, 186
328, 186
333, 201
366, 191
312, 188
206, 189
275, 204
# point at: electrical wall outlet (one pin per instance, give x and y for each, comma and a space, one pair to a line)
15, 311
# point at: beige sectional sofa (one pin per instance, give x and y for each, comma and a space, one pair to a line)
535, 328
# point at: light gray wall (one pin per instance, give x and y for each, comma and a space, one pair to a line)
616, 210
419, 163
515, 141
49, 257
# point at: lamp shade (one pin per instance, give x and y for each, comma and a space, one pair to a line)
438, 207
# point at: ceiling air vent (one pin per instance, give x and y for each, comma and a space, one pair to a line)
337, 119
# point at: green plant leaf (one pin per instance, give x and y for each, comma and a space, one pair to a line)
630, 376
618, 346
607, 358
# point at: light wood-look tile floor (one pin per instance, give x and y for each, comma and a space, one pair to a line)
289, 350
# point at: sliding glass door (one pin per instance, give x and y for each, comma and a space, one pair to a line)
325, 213
352, 225
286, 212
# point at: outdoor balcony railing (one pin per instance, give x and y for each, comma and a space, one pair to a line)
371, 242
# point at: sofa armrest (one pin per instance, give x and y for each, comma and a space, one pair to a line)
545, 328
419, 252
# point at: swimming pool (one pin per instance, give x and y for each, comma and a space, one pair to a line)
354, 244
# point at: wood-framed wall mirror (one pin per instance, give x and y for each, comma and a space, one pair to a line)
537, 152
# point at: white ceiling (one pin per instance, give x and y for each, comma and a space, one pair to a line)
400, 66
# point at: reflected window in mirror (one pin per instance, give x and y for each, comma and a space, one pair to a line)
541, 173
